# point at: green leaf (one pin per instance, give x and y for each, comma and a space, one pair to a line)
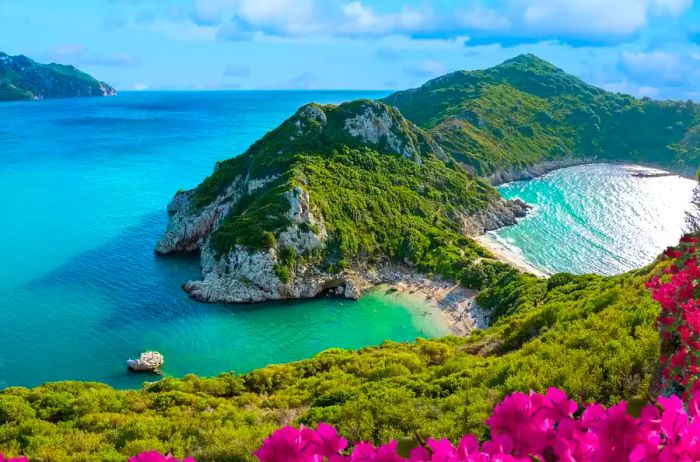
405, 446
635, 405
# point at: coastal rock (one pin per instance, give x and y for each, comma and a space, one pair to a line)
500, 214
351, 290
149, 361
306, 233
189, 226
379, 125
535, 170
243, 275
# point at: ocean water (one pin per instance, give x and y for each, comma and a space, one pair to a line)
84, 184
597, 218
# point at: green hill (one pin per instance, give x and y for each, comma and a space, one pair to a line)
24, 79
325, 200
526, 111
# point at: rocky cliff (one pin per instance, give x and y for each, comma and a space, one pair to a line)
323, 200
24, 79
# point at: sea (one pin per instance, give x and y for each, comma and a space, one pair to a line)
597, 218
84, 185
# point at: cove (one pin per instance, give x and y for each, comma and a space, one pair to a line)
597, 218
85, 183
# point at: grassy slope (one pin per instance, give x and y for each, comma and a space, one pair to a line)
22, 78
591, 335
526, 110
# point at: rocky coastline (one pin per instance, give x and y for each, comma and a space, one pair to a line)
245, 275
536, 170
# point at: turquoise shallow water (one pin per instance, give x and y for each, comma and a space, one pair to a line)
84, 184
597, 218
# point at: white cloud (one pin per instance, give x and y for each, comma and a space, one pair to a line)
658, 68
361, 15
210, 12
486, 21
479, 17
672, 6
619, 17
284, 17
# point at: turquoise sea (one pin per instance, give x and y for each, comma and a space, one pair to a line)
597, 218
84, 184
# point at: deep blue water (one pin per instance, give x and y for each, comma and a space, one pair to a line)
84, 184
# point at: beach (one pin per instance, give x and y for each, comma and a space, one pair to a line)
453, 303
507, 255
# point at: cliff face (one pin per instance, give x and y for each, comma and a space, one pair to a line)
321, 202
24, 79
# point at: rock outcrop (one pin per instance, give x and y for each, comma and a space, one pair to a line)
290, 259
189, 227
149, 361
536, 170
500, 214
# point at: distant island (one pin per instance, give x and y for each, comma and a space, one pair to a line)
22, 78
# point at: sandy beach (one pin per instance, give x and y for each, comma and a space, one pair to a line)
507, 255
456, 305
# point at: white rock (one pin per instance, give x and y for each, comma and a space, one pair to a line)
148, 361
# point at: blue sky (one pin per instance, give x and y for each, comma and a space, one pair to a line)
642, 47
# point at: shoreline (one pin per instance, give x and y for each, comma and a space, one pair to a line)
540, 169
506, 255
454, 304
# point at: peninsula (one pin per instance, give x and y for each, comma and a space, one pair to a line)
338, 197
22, 78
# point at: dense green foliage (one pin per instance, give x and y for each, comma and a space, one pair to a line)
23, 79
375, 202
526, 111
592, 336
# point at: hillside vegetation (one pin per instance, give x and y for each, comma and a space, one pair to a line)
336, 188
526, 111
592, 336
324, 198
24, 79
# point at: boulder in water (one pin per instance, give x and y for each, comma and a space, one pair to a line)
149, 361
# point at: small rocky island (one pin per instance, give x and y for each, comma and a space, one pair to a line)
22, 78
149, 361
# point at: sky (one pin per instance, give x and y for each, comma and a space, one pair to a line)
641, 47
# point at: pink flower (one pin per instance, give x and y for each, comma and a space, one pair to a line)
13, 459
290, 445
